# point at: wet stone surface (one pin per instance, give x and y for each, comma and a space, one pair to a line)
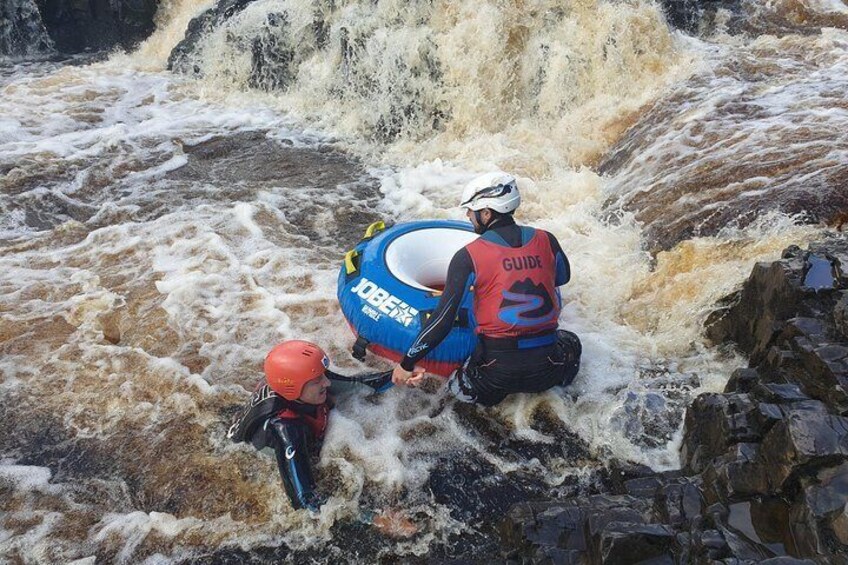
95, 25
321, 193
179, 59
324, 193
695, 164
765, 463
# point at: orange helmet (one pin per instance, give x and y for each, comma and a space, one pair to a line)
292, 364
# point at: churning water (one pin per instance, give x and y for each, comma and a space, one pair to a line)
160, 232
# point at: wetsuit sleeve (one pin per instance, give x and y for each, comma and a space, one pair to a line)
563, 268
459, 278
290, 440
263, 404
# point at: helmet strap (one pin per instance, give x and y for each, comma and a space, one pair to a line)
480, 226
494, 219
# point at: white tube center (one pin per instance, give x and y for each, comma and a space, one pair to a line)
420, 258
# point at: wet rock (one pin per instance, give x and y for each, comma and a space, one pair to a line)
692, 15
710, 544
826, 379
180, 57
777, 393
607, 509
765, 415
22, 33
619, 477
714, 422
649, 419
736, 475
97, 25
818, 512
743, 548
768, 297
780, 365
785, 560
556, 555
645, 487
679, 503
492, 493
804, 330
538, 529
764, 475
840, 315
599, 528
789, 326
840, 526
275, 51
826, 492
742, 380
278, 50
704, 436
807, 437
775, 293
718, 512
274, 55
807, 354
753, 18
635, 543
764, 523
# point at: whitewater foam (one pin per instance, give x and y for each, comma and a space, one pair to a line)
137, 309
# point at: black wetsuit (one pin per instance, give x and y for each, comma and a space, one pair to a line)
289, 429
499, 367
295, 431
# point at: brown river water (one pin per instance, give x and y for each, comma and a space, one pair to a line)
160, 232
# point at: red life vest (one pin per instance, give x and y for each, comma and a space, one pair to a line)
317, 424
514, 287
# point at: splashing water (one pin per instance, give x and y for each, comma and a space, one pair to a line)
159, 233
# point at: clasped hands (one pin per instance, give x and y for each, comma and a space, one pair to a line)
402, 377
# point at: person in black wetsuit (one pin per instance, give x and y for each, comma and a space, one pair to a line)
514, 272
289, 413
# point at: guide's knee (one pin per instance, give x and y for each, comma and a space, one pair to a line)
571, 350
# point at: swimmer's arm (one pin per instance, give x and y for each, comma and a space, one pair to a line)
290, 441
438, 326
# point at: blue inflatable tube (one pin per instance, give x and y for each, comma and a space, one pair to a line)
390, 283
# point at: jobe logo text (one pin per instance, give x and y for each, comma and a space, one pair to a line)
384, 302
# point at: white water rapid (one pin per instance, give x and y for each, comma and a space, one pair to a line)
159, 232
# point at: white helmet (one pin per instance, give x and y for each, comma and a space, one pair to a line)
497, 191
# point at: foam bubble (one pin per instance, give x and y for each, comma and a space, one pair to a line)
26, 477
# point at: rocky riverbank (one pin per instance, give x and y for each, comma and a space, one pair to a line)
40, 28
764, 473
97, 25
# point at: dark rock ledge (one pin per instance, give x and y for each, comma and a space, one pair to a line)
76, 26
765, 463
